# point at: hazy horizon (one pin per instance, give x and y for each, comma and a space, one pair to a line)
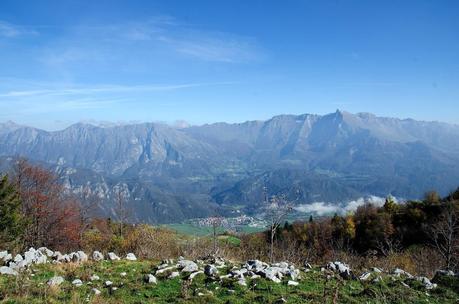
180, 123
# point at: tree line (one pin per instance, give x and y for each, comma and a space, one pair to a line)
429, 226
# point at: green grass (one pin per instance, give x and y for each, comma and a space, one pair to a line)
189, 229
231, 240
313, 288
192, 230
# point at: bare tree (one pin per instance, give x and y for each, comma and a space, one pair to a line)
389, 245
445, 234
215, 221
122, 212
90, 202
277, 209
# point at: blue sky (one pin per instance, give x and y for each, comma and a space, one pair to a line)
205, 61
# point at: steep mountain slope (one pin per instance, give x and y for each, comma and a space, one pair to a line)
171, 174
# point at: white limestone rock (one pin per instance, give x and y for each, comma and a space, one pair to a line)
45, 251
18, 258
56, 281
96, 291
160, 271
210, 271
426, 282
97, 256
174, 275
151, 279
400, 272
131, 257
5, 270
187, 266
94, 277
6, 257
194, 274
365, 276
342, 269
242, 281
113, 257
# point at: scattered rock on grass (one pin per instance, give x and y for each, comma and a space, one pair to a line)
131, 257
174, 275
365, 276
187, 266
113, 257
211, 271
94, 277
342, 269
242, 282
96, 291
194, 274
151, 279
97, 256
400, 272
56, 281
8, 271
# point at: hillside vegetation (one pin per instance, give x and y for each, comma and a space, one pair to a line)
396, 253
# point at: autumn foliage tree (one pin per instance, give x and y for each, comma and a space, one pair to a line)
343, 231
373, 228
52, 216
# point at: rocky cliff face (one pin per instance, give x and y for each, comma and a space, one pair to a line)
172, 174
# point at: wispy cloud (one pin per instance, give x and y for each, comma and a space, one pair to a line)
68, 99
91, 90
10, 30
160, 34
221, 47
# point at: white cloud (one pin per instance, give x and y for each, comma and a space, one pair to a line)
326, 208
319, 208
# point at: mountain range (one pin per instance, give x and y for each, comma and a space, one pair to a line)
169, 174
